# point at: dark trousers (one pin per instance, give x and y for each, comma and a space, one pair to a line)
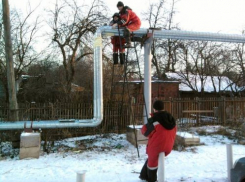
147, 174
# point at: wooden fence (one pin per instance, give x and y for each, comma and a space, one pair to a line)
199, 111
116, 117
203, 111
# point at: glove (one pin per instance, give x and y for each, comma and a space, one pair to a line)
150, 120
149, 127
114, 26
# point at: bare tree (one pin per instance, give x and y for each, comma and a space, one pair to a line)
203, 62
238, 64
72, 27
24, 35
13, 104
159, 15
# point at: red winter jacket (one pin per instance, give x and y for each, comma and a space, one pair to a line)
161, 131
130, 19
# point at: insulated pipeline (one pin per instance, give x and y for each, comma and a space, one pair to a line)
98, 87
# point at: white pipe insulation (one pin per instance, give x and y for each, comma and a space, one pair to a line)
98, 87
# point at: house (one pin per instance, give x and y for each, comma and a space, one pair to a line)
164, 89
201, 85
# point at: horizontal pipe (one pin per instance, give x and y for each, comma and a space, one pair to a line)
98, 87
182, 35
74, 123
50, 124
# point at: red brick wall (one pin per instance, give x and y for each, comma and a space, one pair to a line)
162, 90
165, 89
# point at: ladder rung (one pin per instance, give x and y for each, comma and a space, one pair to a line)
132, 62
117, 84
135, 72
117, 93
132, 47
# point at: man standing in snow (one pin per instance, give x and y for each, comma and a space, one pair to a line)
161, 131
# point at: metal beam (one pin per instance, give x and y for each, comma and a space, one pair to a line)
147, 78
181, 35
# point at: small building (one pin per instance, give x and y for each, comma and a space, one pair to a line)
203, 86
163, 89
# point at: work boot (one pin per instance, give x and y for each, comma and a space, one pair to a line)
152, 175
115, 58
143, 172
127, 36
122, 58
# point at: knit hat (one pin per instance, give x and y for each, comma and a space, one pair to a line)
158, 105
116, 14
120, 3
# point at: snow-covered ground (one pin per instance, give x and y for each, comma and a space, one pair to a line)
113, 159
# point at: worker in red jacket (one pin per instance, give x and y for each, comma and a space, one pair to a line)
129, 20
117, 42
161, 131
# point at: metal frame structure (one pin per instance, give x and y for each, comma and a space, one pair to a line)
98, 87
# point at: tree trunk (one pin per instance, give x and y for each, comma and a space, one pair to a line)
13, 105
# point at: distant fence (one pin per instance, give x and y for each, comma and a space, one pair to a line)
191, 112
203, 111
116, 117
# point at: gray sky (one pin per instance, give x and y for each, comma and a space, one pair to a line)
224, 16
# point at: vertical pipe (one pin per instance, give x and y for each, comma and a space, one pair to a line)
161, 170
81, 176
100, 84
95, 83
147, 77
229, 160
98, 102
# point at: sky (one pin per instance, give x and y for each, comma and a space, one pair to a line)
223, 16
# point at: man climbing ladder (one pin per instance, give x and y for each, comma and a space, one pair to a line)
129, 20
117, 42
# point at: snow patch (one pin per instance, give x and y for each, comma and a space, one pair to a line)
121, 164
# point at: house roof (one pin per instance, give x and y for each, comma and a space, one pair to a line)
210, 83
153, 81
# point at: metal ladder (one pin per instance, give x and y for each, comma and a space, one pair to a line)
120, 88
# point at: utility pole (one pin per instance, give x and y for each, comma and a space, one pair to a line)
13, 105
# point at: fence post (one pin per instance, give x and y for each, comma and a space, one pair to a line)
161, 170
229, 160
171, 105
224, 112
81, 176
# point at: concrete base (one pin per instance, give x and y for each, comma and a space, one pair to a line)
187, 138
30, 145
184, 138
141, 139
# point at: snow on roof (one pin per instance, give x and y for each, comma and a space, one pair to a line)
190, 82
154, 80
